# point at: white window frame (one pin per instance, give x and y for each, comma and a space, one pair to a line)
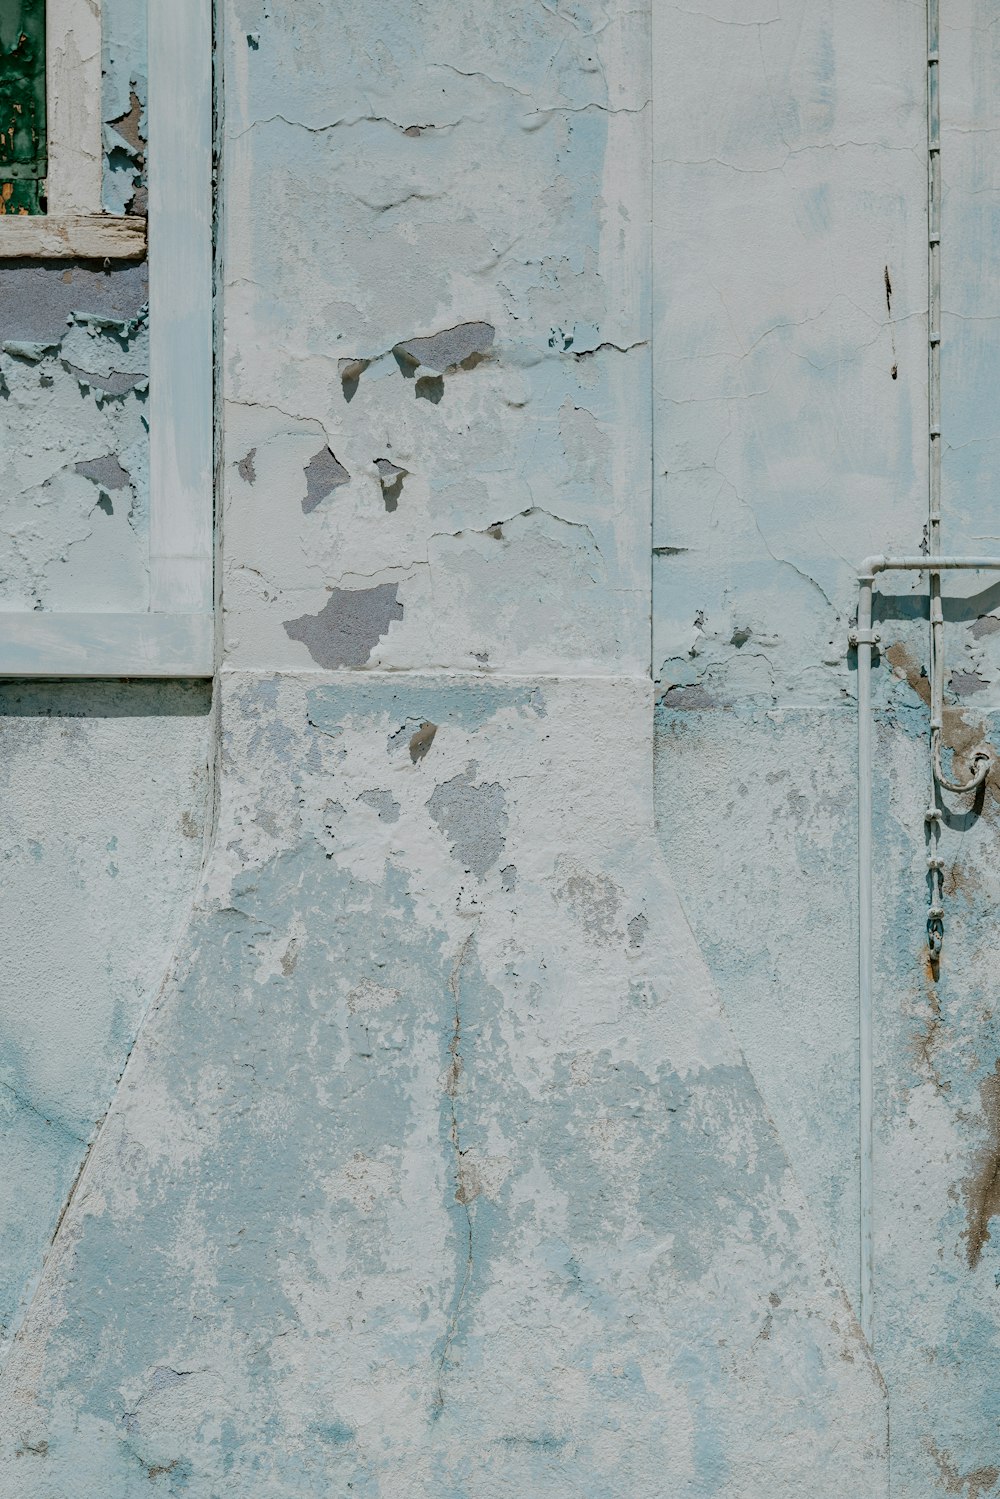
176, 636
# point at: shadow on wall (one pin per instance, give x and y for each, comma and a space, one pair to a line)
105, 699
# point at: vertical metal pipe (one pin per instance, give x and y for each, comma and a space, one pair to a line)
864, 639
865, 1037
934, 378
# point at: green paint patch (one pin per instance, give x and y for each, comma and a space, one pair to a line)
23, 143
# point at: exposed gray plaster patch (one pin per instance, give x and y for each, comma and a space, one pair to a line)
508, 878
105, 471
115, 383
324, 474
687, 697
383, 802
391, 478
965, 683
349, 626
473, 817
36, 301
245, 468
986, 624
446, 350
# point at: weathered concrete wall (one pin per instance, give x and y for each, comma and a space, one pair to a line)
792, 434
436, 1169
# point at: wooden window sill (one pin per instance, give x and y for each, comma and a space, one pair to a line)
93, 236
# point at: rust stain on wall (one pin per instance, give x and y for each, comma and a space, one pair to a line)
982, 1187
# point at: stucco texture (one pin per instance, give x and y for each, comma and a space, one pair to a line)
792, 433
489, 1114
436, 1169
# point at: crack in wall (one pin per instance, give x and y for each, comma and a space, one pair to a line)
452, 1079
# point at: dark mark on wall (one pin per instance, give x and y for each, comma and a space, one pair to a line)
429, 388
391, 478
324, 473
349, 626
351, 371
421, 741
245, 468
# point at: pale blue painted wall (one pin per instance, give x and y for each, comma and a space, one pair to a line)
791, 442
436, 1168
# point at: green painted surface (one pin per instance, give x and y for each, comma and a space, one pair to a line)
23, 163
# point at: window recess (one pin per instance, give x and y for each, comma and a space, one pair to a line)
174, 636
51, 148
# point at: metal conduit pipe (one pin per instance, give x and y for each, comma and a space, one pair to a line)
864, 638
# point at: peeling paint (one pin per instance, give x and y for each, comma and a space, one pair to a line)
324, 474
473, 817
349, 626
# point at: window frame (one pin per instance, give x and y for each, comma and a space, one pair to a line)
176, 636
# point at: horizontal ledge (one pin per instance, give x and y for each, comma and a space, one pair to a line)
93, 236
38, 644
